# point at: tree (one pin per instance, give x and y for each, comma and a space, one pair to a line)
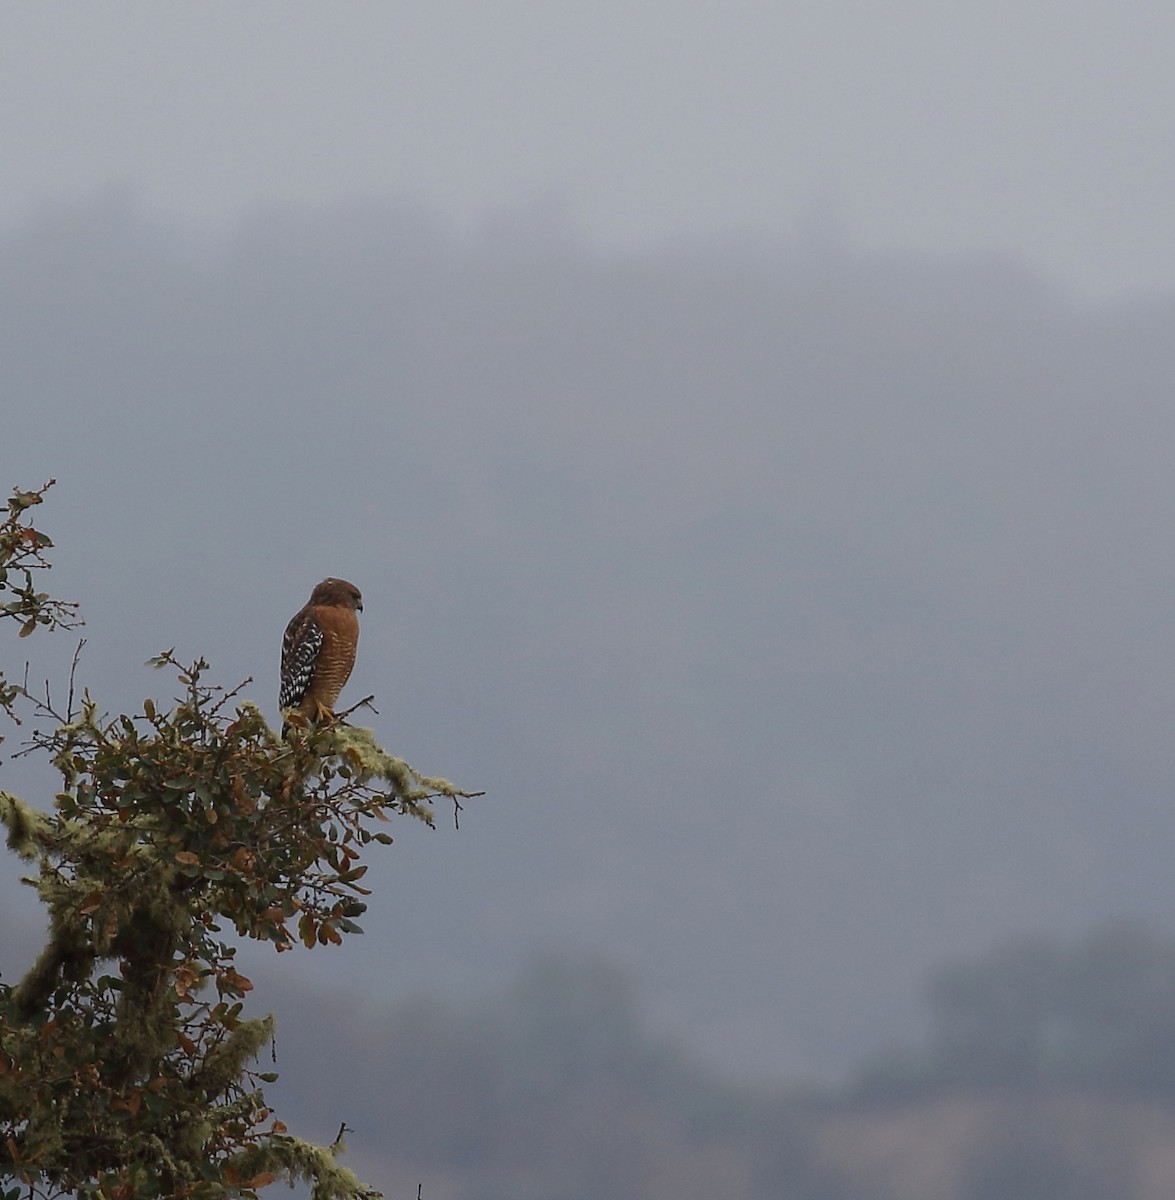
125, 1057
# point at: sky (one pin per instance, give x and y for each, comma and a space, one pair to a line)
1041, 130
749, 432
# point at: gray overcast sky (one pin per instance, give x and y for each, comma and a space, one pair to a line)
1038, 129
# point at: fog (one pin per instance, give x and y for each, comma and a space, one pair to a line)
1029, 127
803, 615
749, 431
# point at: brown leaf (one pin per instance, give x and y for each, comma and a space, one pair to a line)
237, 980
185, 977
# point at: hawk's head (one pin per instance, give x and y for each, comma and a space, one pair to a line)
337, 592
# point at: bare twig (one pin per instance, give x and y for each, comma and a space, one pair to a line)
73, 670
366, 702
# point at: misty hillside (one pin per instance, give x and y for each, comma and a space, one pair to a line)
804, 611
1046, 1073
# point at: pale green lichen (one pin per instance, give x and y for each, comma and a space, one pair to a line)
27, 828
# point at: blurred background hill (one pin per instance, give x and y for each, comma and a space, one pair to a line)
1044, 1070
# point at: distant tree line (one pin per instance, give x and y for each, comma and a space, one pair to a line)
559, 1089
555, 1091
1097, 1012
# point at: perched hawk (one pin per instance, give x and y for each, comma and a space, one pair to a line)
318, 650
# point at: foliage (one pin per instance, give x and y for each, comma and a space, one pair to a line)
124, 1051
22, 552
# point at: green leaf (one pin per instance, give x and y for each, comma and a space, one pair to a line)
22, 500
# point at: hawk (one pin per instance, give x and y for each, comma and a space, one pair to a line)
318, 650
